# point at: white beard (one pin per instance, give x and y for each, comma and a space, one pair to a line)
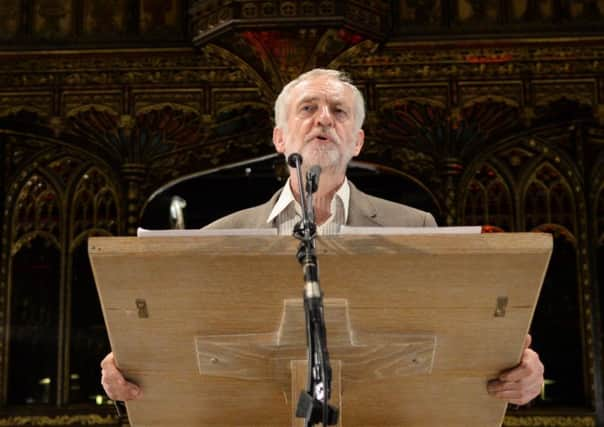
325, 155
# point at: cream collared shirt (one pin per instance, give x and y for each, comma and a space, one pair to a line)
287, 211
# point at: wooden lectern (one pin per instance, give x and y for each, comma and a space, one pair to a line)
212, 327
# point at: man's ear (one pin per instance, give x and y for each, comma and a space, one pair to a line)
358, 145
278, 140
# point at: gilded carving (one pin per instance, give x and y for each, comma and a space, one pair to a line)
327, 8
516, 157
39, 103
19, 150
186, 99
509, 92
64, 168
420, 12
104, 17
583, 10
249, 10
99, 127
549, 200
407, 62
526, 10
388, 96
9, 18
52, 18
584, 92
74, 102
599, 112
37, 209
307, 8
549, 421
94, 204
599, 214
224, 99
487, 199
481, 12
487, 120
159, 15
61, 420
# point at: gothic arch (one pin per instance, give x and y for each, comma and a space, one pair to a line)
16, 110
544, 180
74, 112
534, 156
100, 188
486, 99
57, 171
563, 297
597, 195
392, 105
489, 185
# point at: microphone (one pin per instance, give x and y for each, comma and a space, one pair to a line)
312, 179
294, 160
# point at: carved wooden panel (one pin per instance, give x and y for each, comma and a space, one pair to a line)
52, 19
581, 91
38, 102
103, 18
73, 102
9, 19
414, 13
161, 16
508, 91
191, 99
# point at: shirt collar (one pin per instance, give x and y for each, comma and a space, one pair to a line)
287, 197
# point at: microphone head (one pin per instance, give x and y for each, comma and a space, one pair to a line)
312, 179
315, 170
294, 160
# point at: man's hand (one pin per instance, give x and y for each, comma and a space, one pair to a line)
114, 383
523, 383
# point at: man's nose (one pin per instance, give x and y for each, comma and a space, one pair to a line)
324, 116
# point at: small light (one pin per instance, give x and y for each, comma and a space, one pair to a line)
75, 376
45, 381
99, 399
545, 384
248, 171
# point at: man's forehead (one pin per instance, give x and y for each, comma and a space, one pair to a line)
322, 88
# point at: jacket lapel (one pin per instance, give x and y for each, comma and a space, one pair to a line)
361, 212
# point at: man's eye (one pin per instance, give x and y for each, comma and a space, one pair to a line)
307, 108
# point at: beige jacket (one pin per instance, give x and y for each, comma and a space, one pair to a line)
364, 211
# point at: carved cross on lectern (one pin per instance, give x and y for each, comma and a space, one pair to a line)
280, 356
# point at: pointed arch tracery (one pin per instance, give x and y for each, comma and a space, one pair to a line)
94, 204
548, 198
487, 200
599, 217
36, 212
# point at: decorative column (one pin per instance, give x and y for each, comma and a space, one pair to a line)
452, 166
133, 175
452, 169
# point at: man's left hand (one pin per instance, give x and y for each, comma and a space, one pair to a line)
523, 383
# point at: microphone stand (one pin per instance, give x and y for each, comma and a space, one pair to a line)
313, 402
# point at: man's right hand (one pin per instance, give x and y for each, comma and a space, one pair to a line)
114, 383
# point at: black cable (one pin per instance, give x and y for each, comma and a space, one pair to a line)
323, 366
309, 346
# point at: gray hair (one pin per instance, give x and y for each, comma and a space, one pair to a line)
282, 102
